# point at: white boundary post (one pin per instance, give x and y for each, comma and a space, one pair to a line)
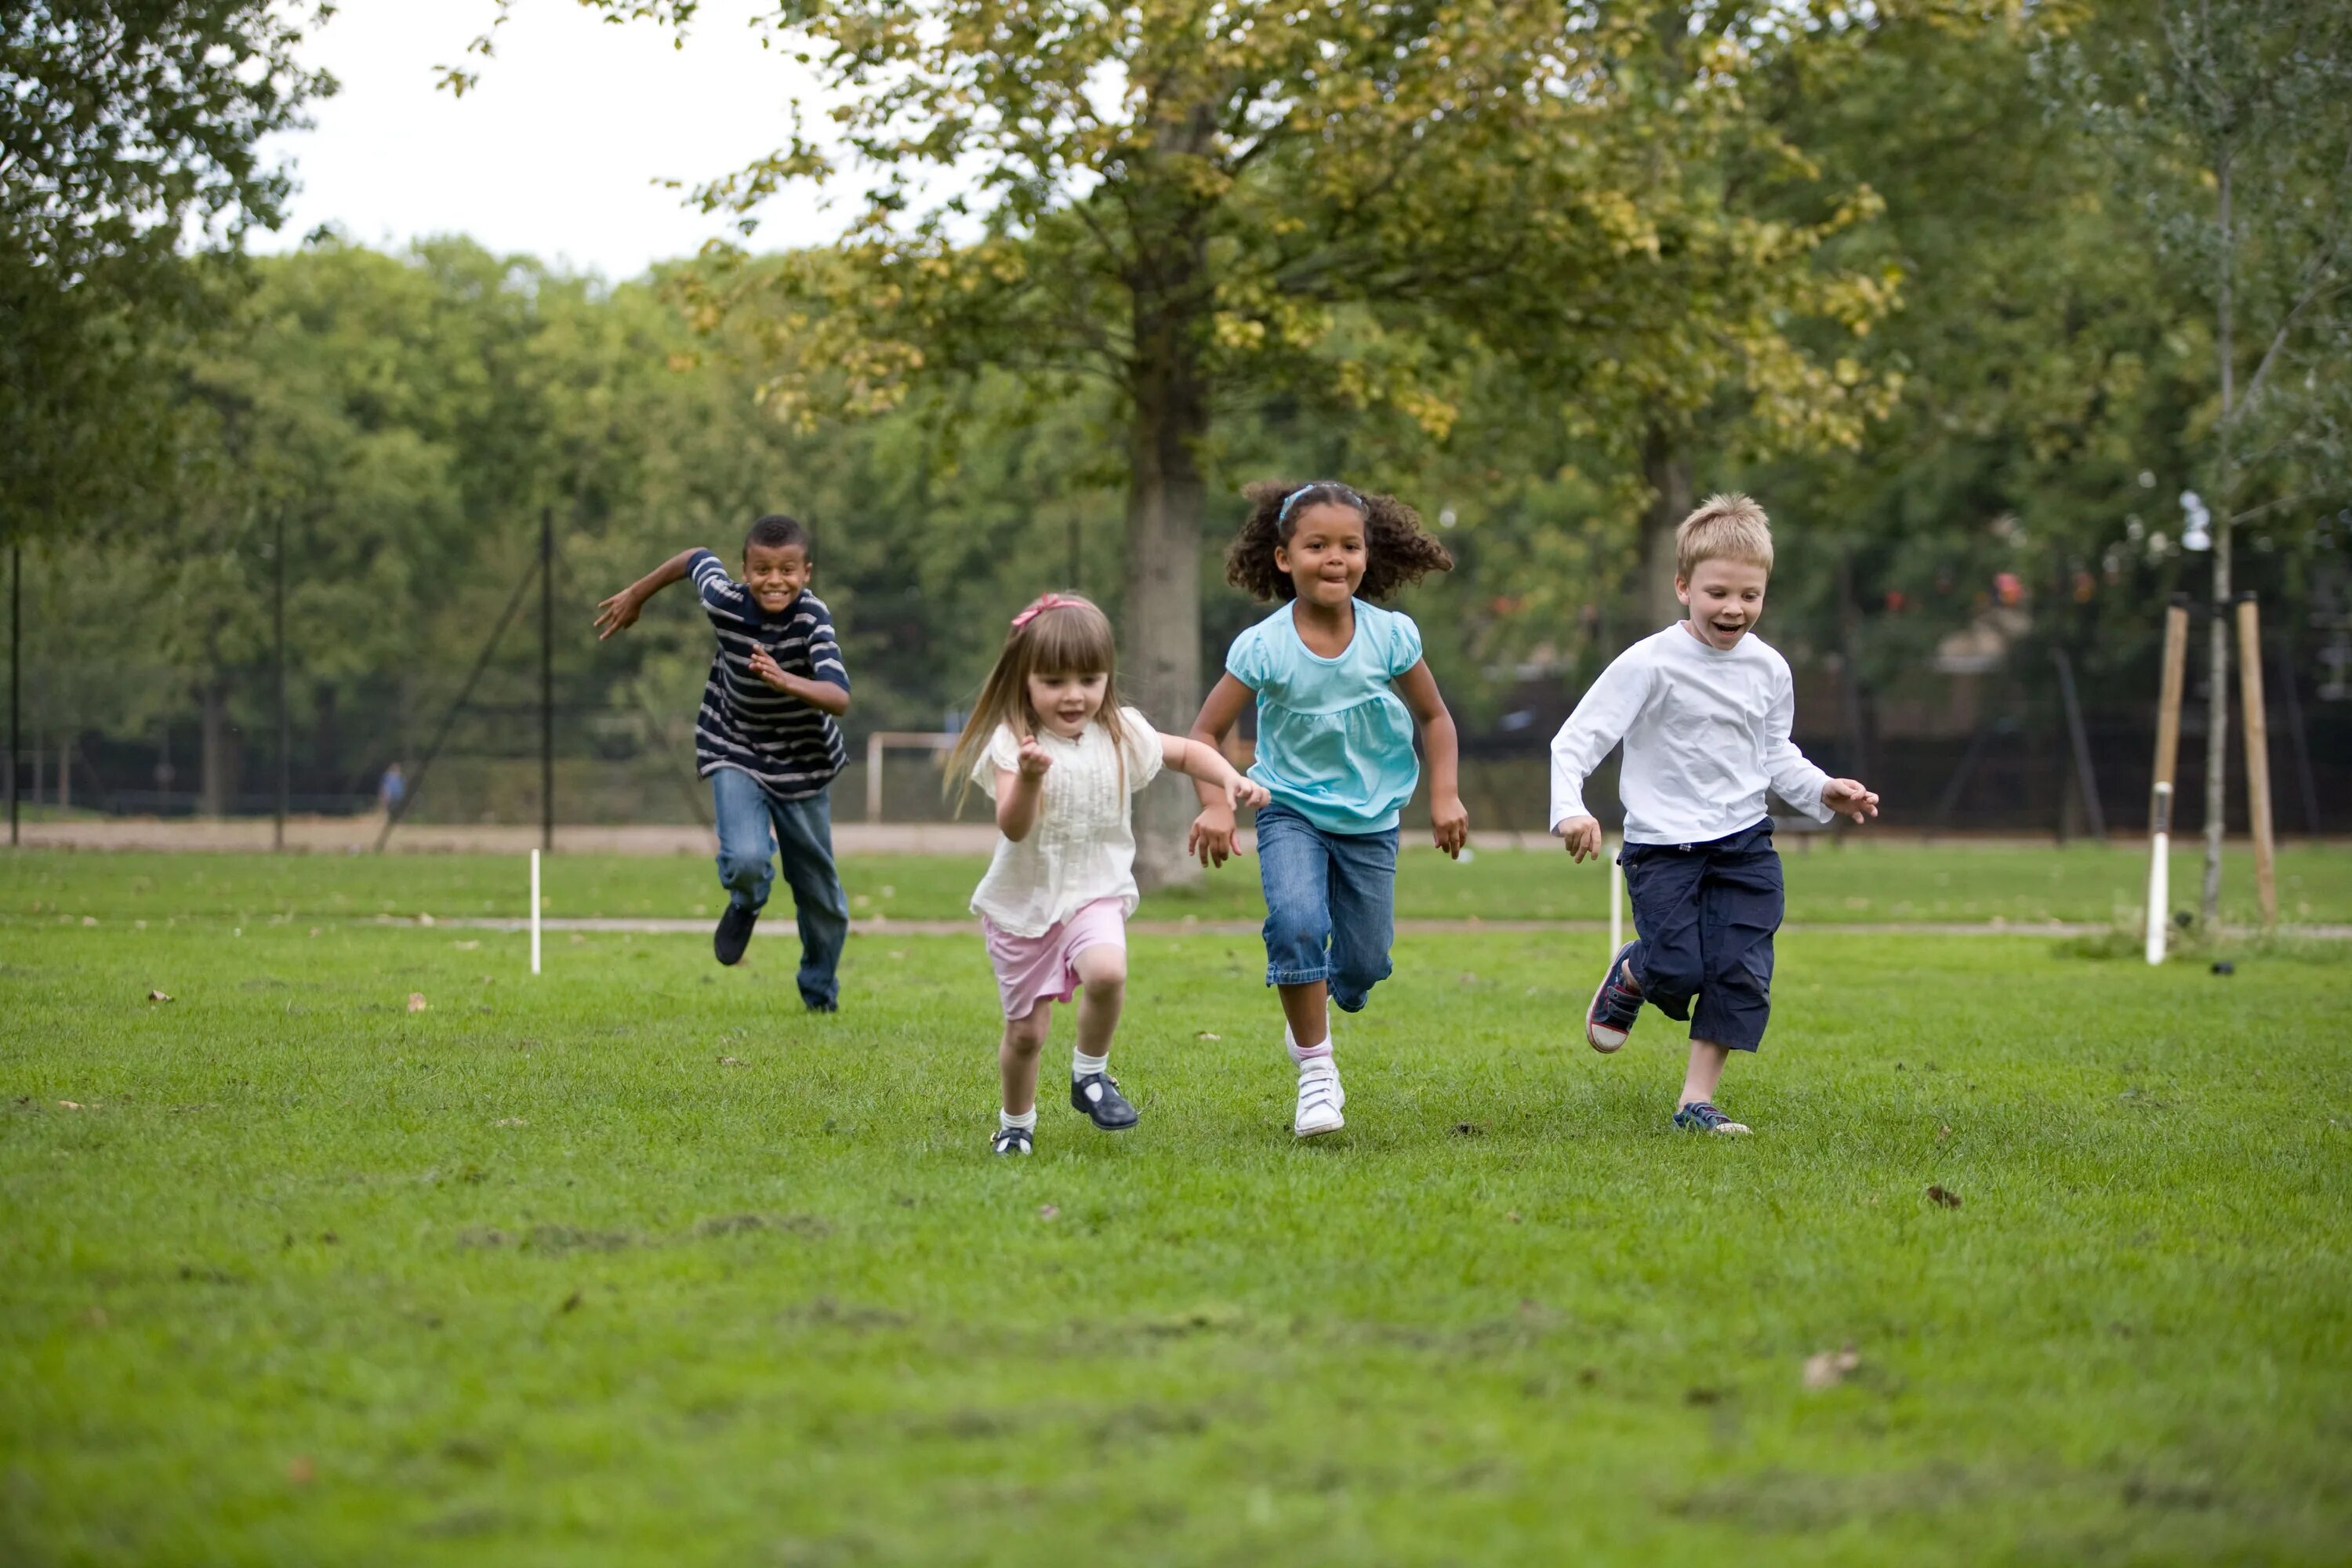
534, 912
2168, 751
2159, 875
1616, 901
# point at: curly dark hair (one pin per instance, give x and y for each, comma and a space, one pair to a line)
1396, 550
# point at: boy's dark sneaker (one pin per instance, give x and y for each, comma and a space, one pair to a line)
1012, 1140
1097, 1095
1699, 1116
734, 932
1614, 1008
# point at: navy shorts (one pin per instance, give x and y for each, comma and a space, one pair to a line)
1706, 914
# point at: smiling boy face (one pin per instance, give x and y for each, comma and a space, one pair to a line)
1726, 599
776, 574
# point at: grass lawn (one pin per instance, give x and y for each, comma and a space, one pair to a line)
635, 1262
1853, 880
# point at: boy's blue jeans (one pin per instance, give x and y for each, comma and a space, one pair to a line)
802, 831
1330, 904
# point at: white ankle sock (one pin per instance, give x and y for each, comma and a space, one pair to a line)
1085, 1066
1026, 1120
1302, 1055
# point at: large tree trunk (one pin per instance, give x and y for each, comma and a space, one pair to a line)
1162, 645
1671, 501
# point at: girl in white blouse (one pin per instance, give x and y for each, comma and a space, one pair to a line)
1050, 745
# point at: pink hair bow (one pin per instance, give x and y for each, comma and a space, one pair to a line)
1049, 602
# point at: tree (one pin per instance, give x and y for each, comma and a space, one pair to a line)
126, 127
1197, 204
2236, 117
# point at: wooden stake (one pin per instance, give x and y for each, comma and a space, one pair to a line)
2167, 754
2258, 757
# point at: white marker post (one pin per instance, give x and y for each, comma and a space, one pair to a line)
2167, 752
1616, 902
534, 912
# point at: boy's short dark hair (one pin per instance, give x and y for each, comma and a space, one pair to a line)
775, 532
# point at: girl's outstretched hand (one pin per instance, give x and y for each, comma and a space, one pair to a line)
1449, 824
1848, 799
1035, 761
1211, 837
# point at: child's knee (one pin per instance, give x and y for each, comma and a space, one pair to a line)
1670, 973
1103, 972
742, 868
1027, 1033
1295, 929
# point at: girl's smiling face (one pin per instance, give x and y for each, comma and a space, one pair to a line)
1325, 554
1066, 703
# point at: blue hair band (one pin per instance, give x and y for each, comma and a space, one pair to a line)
1292, 499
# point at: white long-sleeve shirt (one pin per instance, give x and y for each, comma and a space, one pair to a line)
1706, 733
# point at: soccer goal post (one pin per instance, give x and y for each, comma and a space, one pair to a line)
883, 741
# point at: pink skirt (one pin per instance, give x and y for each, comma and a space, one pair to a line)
1034, 969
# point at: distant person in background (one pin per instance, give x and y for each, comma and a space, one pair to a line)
1705, 709
390, 788
766, 738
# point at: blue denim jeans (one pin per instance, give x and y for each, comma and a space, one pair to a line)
1330, 904
802, 830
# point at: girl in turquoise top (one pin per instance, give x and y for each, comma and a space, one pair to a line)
1339, 685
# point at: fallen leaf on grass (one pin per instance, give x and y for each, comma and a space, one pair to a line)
71, 1104
1828, 1368
1468, 1129
1047, 1211
571, 1303
425, 920
1513, 1215
300, 1470
509, 1121
416, 1001
1945, 1197
469, 946
730, 1061
89, 919
1204, 1035
159, 996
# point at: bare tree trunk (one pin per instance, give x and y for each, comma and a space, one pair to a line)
1670, 487
2217, 697
1163, 652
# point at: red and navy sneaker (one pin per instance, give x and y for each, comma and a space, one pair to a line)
1615, 1007
1699, 1116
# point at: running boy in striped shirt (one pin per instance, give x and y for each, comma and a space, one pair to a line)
1704, 708
766, 737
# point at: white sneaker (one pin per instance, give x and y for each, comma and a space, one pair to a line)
1320, 1098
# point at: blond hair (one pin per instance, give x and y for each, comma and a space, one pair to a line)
1724, 527
1057, 633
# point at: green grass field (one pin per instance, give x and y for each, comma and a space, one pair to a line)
635, 1262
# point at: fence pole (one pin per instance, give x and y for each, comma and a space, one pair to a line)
874, 776
547, 679
416, 786
2258, 757
15, 660
285, 728
2168, 754
2093, 817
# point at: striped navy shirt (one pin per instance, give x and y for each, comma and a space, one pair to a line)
792, 749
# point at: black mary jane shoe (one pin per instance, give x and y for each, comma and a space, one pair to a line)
1011, 1141
1097, 1095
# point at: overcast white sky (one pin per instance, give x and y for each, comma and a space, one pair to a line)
555, 152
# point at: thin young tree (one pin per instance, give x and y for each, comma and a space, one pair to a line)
2235, 118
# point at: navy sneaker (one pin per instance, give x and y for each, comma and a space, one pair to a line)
1012, 1140
1699, 1116
1614, 1008
734, 932
1097, 1095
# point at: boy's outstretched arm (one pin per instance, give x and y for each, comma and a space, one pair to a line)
1449, 821
619, 612
1211, 837
1607, 710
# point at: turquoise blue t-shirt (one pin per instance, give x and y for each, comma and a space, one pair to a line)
1333, 739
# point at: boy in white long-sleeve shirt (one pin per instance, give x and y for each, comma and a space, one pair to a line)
1704, 708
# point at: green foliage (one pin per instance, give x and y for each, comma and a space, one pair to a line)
126, 127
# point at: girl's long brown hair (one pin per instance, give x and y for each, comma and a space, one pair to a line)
1059, 633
